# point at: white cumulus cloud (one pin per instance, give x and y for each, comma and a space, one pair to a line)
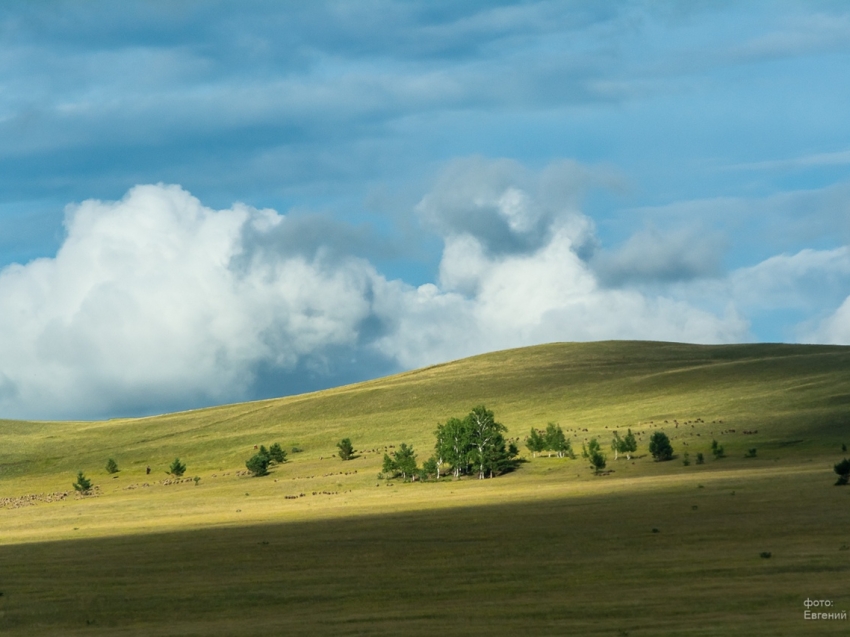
141, 306
514, 272
516, 300
157, 302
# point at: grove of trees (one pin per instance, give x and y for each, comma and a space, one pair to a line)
259, 463
627, 445
551, 440
475, 444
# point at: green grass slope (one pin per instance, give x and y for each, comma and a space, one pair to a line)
322, 546
787, 392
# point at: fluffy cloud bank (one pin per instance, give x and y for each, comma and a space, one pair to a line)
157, 302
142, 306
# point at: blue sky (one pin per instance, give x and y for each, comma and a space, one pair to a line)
204, 202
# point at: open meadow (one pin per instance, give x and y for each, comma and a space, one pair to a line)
323, 546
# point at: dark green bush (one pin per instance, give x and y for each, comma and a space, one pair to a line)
346, 449
717, 450
83, 484
277, 454
593, 453
258, 464
660, 447
177, 468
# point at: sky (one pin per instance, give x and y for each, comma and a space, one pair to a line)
211, 202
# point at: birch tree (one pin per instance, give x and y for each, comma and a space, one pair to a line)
535, 442
629, 444
616, 445
593, 452
485, 435
402, 462
452, 447
556, 441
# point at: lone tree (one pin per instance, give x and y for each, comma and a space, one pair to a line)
402, 462
556, 441
258, 464
452, 446
535, 442
842, 469
593, 453
629, 444
277, 454
346, 449
111, 466
177, 468
660, 447
83, 484
717, 449
617, 445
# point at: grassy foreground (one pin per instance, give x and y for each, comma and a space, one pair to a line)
650, 549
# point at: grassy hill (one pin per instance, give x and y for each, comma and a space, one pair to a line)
549, 549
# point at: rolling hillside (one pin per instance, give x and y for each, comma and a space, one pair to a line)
784, 391
689, 533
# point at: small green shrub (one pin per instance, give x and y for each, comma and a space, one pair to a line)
593, 453
700, 458
717, 450
177, 468
83, 484
751, 453
687, 459
346, 449
111, 466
